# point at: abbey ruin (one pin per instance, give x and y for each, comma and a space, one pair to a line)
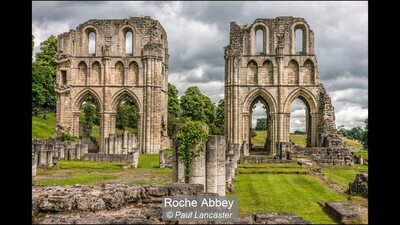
109, 60
275, 75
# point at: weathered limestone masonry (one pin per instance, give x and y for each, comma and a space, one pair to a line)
276, 75
335, 156
165, 160
122, 204
208, 169
360, 185
110, 71
47, 152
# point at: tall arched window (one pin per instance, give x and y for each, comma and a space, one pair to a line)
92, 42
259, 41
128, 42
299, 40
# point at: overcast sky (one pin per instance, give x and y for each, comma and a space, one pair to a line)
198, 31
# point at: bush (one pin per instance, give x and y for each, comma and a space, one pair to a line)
66, 137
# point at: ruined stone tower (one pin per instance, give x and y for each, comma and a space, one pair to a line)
109, 60
275, 74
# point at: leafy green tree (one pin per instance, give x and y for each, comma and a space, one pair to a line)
126, 114
261, 124
174, 108
343, 131
253, 133
44, 75
43, 94
364, 138
356, 133
209, 109
299, 132
218, 128
48, 51
192, 104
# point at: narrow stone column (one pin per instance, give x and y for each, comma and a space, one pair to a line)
198, 170
221, 184
211, 165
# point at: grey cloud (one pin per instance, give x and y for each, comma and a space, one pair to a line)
198, 31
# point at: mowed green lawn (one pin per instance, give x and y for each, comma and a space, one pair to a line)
284, 193
343, 176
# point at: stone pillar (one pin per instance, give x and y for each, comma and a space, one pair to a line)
111, 144
221, 184
212, 165
77, 151
161, 157
60, 149
106, 144
135, 157
83, 149
125, 142
178, 169
198, 169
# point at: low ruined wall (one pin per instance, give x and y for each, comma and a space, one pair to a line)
47, 152
119, 203
123, 204
360, 185
258, 159
335, 156
98, 157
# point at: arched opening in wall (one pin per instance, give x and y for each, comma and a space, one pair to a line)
119, 73
128, 42
89, 123
308, 74
300, 123
252, 72
82, 73
95, 77
127, 117
133, 74
92, 42
260, 129
260, 35
299, 39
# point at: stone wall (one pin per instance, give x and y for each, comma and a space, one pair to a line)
122, 204
98, 157
335, 156
207, 169
360, 185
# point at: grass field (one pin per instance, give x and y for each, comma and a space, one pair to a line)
44, 128
259, 140
271, 168
284, 193
343, 176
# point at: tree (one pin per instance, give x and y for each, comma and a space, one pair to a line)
356, 133
192, 104
364, 138
44, 75
174, 108
43, 94
261, 124
126, 114
343, 131
209, 110
48, 51
219, 124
